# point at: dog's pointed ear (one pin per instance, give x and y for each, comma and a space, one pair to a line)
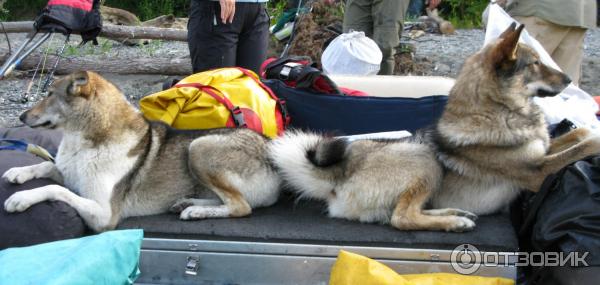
507, 48
509, 30
79, 84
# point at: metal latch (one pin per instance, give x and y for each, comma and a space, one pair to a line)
191, 267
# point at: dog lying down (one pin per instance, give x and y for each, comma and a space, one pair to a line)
122, 165
490, 142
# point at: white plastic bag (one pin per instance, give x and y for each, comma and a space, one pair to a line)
572, 103
351, 54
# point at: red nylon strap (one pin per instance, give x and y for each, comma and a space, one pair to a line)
85, 5
281, 103
210, 91
249, 74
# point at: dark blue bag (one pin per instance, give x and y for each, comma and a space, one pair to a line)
351, 115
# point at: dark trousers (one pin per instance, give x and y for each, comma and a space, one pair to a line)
214, 44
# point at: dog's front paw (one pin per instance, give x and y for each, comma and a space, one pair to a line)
20, 201
18, 175
593, 142
461, 224
582, 132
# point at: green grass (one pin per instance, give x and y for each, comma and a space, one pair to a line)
464, 14
275, 9
152, 47
20, 10
3, 14
71, 51
105, 46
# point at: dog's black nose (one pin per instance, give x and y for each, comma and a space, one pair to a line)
23, 116
566, 80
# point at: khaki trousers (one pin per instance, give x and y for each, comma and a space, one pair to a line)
564, 44
381, 20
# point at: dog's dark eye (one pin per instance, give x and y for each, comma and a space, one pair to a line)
537, 62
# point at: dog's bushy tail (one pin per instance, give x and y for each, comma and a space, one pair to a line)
307, 161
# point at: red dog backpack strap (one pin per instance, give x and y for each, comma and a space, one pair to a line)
280, 102
236, 112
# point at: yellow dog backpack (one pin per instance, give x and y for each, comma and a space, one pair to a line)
225, 97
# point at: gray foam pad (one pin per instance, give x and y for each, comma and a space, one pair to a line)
306, 222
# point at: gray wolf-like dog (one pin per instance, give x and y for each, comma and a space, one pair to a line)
122, 165
492, 139
490, 142
385, 181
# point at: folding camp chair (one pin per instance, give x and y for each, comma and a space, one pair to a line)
59, 16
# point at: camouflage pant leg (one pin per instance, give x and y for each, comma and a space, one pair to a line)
388, 18
382, 21
358, 16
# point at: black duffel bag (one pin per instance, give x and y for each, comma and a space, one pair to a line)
564, 217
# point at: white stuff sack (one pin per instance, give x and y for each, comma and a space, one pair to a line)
572, 103
351, 54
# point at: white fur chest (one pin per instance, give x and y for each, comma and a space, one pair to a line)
93, 171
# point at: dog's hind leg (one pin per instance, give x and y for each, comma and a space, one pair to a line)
409, 214
20, 175
234, 204
97, 216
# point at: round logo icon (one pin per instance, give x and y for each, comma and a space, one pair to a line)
465, 259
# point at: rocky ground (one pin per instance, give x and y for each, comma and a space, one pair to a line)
433, 55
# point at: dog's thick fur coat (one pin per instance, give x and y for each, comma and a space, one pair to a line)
490, 143
366, 180
122, 166
492, 138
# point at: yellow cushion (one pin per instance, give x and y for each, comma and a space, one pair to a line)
351, 268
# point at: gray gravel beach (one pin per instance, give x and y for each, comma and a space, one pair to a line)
446, 53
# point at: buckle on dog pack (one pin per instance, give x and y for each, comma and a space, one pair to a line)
284, 74
284, 111
238, 117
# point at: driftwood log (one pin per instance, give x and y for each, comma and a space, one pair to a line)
113, 31
164, 66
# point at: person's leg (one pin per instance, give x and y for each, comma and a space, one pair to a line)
212, 44
357, 17
543, 31
254, 39
569, 54
388, 17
